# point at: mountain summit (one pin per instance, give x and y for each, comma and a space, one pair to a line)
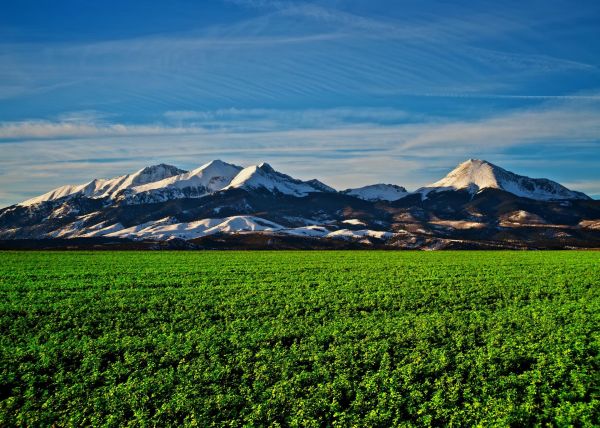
208, 178
263, 176
378, 192
475, 175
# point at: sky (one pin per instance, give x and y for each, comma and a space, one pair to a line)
350, 92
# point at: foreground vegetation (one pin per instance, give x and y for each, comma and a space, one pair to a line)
299, 338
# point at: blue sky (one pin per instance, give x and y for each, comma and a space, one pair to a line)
351, 92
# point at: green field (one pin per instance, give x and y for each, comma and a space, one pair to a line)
300, 338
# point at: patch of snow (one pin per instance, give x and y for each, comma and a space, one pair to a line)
70, 230
522, 217
94, 231
311, 231
459, 224
378, 192
63, 211
306, 221
590, 224
357, 234
354, 222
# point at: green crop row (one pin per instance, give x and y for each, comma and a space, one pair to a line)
300, 338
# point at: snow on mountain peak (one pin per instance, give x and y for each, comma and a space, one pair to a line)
101, 188
473, 174
476, 174
210, 177
378, 192
216, 171
145, 175
263, 176
215, 164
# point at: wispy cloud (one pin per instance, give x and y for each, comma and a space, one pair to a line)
591, 187
72, 129
293, 53
575, 120
562, 124
91, 124
290, 118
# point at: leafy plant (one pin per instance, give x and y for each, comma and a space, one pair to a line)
299, 338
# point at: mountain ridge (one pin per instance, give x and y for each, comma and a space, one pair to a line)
476, 205
472, 174
98, 187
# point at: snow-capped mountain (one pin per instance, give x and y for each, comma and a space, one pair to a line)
378, 192
475, 175
263, 176
258, 207
109, 188
208, 178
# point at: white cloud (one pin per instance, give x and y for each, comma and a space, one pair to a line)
565, 124
33, 129
591, 187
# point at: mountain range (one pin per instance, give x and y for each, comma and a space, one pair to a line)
221, 205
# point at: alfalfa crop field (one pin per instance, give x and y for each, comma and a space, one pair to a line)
299, 338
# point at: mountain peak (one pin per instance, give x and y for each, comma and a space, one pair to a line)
378, 192
214, 163
476, 174
476, 162
160, 166
154, 173
265, 167
207, 178
214, 167
264, 176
